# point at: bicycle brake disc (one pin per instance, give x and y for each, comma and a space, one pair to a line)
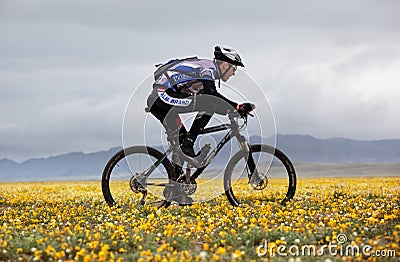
259, 182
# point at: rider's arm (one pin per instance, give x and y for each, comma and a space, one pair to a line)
211, 89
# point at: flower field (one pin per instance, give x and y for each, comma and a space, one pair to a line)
53, 221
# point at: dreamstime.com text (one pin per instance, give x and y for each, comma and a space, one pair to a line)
339, 248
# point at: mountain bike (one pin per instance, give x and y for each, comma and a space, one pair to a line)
254, 175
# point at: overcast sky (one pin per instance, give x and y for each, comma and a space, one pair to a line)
68, 68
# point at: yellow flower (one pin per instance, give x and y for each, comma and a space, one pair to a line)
103, 254
37, 255
371, 220
237, 254
50, 250
59, 255
221, 250
94, 244
87, 258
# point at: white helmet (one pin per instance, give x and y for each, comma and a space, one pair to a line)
227, 54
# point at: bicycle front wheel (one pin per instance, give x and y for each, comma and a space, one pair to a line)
132, 174
266, 175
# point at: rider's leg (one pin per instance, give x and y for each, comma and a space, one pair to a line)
173, 190
171, 121
207, 105
200, 122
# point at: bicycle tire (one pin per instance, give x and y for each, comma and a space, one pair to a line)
280, 161
122, 158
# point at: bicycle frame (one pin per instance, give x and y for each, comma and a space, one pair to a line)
233, 128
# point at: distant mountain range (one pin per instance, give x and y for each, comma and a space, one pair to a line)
299, 148
308, 149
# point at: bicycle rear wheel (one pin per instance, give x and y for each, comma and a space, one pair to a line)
274, 178
123, 182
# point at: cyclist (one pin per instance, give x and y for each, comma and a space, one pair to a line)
188, 85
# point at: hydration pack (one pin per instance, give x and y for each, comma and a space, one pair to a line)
162, 68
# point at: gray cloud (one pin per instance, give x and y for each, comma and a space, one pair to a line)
67, 68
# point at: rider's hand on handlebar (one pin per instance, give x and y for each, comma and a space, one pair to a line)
245, 109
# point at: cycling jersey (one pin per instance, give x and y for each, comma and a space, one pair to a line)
190, 76
185, 76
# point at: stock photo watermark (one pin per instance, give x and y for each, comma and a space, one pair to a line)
340, 247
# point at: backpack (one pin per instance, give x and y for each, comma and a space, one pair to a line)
162, 68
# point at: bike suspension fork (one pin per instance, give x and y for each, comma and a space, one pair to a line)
250, 164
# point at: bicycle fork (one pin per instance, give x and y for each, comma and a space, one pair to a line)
252, 171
